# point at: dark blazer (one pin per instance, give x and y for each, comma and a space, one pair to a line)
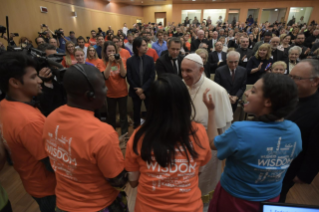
314, 48
133, 73
242, 52
254, 63
195, 44
278, 55
223, 78
232, 44
164, 65
210, 45
213, 61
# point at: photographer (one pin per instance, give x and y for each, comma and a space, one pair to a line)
115, 74
62, 40
22, 127
45, 34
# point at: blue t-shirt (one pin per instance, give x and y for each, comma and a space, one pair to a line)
98, 50
258, 156
62, 43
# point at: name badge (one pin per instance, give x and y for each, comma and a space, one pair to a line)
251, 46
245, 60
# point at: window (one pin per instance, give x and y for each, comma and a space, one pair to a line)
191, 14
301, 14
214, 15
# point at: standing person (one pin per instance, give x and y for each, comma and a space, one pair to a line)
73, 38
259, 64
160, 45
284, 46
92, 40
171, 62
217, 58
62, 40
208, 21
219, 21
250, 20
200, 39
114, 72
197, 83
254, 171
183, 143
129, 44
79, 56
98, 47
306, 166
233, 78
69, 58
81, 44
244, 51
124, 29
276, 54
140, 75
92, 163
21, 128
93, 58
125, 54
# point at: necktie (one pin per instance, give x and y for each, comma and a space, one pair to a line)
141, 71
232, 75
174, 65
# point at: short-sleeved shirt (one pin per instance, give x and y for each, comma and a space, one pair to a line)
152, 53
92, 41
73, 60
173, 188
96, 62
83, 152
116, 84
21, 129
258, 155
124, 55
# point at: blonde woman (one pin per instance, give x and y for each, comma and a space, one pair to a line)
259, 64
279, 67
69, 58
284, 43
93, 58
80, 57
203, 53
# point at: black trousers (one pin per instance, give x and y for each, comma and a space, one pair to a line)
112, 103
7, 207
137, 102
46, 204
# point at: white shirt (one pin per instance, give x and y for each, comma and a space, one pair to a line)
125, 29
211, 174
85, 49
231, 74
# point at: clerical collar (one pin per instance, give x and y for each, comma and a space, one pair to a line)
199, 83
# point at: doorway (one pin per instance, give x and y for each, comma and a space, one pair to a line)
160, 17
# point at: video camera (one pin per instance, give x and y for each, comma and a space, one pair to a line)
52, 61
57, 34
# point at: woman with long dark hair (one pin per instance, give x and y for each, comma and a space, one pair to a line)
258, 153
165, 154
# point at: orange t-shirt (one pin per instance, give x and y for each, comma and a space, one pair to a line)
92, 41
152, 53
86, 44
105, 38
188, 45
116, 84
96, 62
21, 128
72, 59
125, 40
124, 55
172, 188
83, 152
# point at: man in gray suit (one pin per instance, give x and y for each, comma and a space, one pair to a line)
232, 77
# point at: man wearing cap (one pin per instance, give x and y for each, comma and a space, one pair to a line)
196, 82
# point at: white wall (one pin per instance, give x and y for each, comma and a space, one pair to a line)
231, 17
191, 14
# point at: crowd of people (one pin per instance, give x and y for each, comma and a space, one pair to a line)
60, 135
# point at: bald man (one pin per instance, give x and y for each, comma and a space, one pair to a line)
276, 54
196, 42
92, 164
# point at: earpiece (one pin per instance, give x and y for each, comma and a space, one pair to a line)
90, 94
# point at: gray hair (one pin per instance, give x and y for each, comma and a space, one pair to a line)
232, 53
314, 64
295, 48
201, 45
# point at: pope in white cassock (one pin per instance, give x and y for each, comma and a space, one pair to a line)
196, 81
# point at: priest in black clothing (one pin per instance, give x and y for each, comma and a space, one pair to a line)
244, 52
305, 167
196, 42
276, 54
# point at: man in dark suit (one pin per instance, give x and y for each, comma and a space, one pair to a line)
171, 62
277, 55
314, 48
217, 58
232, 77
196, 42
244, 52
140, 75
212, 42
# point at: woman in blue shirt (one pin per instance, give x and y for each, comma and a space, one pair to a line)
258, 153
259, 64
250, 20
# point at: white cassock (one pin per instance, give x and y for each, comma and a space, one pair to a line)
211, 174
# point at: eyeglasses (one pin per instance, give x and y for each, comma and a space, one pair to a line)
300, 78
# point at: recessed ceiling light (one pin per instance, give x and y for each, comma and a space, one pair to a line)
301, 8
276, 9
193, 0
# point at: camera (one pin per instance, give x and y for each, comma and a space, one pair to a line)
117, 56
58, 34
